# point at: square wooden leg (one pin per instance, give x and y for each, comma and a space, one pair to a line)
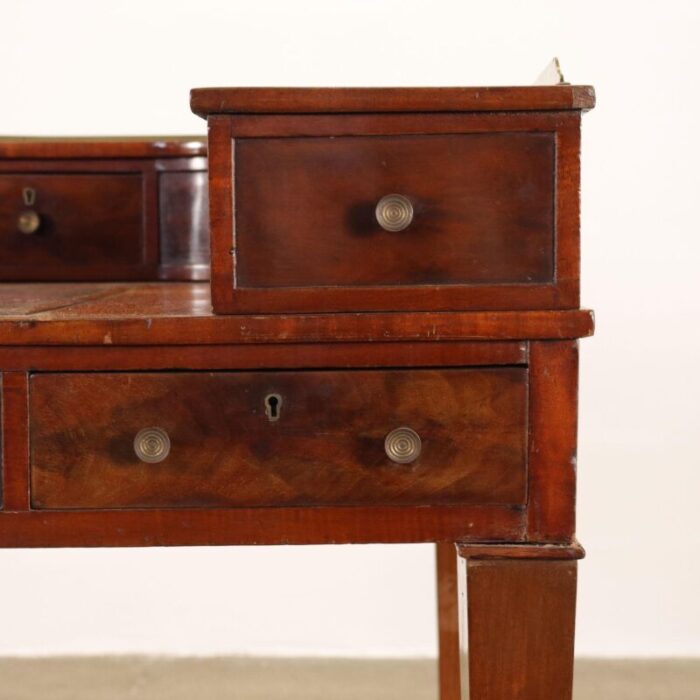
521, 628
448, 621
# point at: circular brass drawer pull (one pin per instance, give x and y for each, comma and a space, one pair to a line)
394, 212
28, 222
402, 445
152, 445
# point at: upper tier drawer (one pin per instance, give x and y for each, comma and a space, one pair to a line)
397, 210
353, 437
66, 225
394, 212
110, 209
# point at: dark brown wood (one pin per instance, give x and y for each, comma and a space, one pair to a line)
86, 220
521, 629
206, 101
449, 660
15, 442
304, 206
42, 147
184, 225
325, 445
108, 211
244, 126
180, 314
305, 211
571, 551
552, 458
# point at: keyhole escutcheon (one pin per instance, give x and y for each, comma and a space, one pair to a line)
273, 405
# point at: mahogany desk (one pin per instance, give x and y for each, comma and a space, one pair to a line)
490, 395
397, 273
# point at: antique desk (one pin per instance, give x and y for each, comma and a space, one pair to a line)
393, 359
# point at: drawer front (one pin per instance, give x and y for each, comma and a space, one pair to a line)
71, 225
278, 438
482, 210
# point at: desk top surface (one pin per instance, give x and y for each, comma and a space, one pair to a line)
179, 313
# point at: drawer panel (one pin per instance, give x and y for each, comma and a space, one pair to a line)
482, 210
322, 443
76, 226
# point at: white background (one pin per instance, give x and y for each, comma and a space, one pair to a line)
90, 67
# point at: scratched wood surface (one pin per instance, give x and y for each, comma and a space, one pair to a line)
180, 314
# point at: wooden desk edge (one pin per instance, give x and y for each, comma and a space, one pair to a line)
570, 551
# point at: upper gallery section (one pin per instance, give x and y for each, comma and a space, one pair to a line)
103, 209
394, 199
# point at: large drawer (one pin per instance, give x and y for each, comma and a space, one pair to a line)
269, 438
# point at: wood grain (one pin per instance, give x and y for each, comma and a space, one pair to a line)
269, 356
552, 453
326, 446
305, 210
458, 254
94, 220
15, 441
521, 629
180, 314
108, 211
259, 526
448, 622
571, 551
206, 101
89, 147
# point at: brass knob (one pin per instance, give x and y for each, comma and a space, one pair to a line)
394, 212
402, 445
28, 222
152, 445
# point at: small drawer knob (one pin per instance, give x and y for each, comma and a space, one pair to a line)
152, 445
402, 445
394, 212
28, 222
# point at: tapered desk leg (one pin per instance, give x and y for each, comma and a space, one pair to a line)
448, 621
521, 628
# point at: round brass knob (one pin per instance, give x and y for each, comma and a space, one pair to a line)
152, 445
394, 212
402, 445
28, 222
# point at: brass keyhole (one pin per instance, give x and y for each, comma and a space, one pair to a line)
29, 196
273, 404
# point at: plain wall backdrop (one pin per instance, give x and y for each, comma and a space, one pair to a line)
81, 67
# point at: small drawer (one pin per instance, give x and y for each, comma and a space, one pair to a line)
396, 199
236, 439
72, 226
402, 211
